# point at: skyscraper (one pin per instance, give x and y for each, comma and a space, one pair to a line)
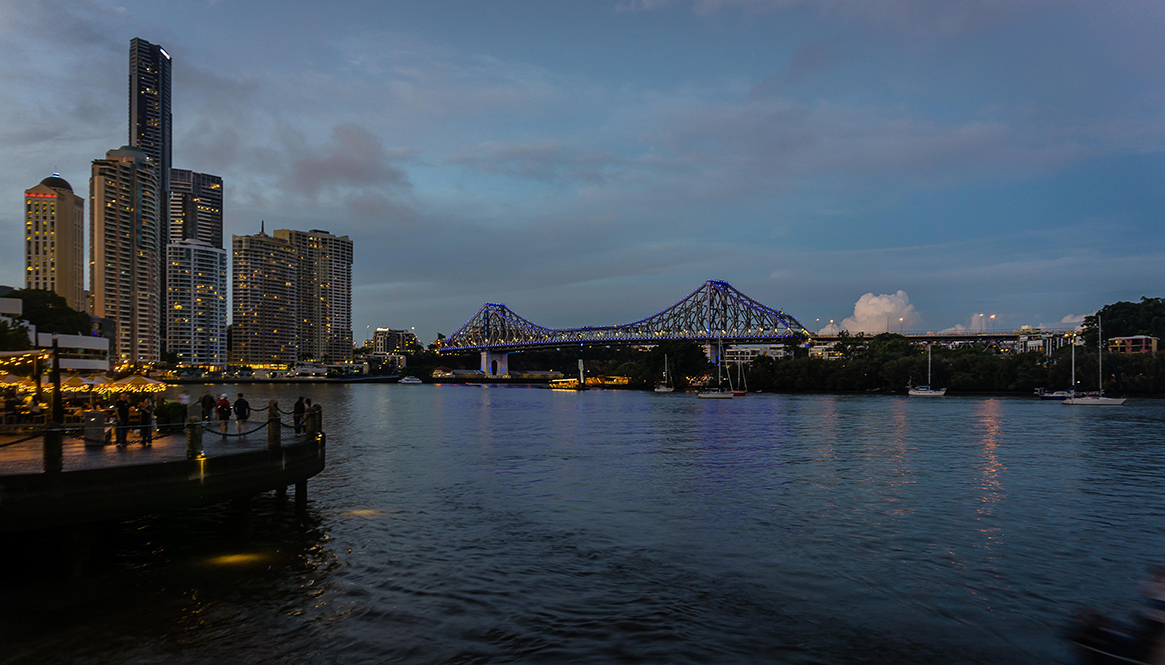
124, 252
264, 301
150, 122
151, 131
54, 249
196, 271
324, 288
196, 303
195, 207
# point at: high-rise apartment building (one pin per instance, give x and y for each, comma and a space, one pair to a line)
195, 207
150, 122
151, 131
387, 340
196, 303
324, 289
125, 252
264, 301
54, 241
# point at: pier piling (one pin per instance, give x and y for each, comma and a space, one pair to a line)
193, 438
274, 433
54, 458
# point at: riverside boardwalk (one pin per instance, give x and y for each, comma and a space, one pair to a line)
58, 479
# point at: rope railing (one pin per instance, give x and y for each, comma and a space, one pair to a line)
30, 437
228, 435
97, 431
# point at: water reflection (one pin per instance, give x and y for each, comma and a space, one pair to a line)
990, 423
468, 524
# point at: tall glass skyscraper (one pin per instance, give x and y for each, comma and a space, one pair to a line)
151, 131
150, 122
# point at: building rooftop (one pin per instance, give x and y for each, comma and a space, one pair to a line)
57, 182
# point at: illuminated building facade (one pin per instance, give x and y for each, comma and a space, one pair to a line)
54, 241
125, 252
324, 289
196, 303
195, 207
264, 301
389, 341
150, 122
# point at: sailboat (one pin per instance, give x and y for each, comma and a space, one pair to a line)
1097, 398
666, 386
741, 387
717, 392
1062, 395
926, 391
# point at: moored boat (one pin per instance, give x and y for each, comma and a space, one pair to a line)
666, 386
1097, 398
926, 391
1058, 395
718, 392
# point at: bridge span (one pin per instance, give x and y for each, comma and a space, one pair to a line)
714, 311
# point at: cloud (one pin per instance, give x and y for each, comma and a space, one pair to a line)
923, 17
352, 158
882, 313
1074, 319
546, 161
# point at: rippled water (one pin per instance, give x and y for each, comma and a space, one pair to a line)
471, 524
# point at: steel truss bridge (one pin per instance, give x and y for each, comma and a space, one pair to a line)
715, 311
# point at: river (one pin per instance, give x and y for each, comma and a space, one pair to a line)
501, 524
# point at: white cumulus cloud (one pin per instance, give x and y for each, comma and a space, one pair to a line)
882, 313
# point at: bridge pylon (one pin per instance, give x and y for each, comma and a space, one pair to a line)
495, 365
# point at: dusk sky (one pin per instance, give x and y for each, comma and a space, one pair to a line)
591, 163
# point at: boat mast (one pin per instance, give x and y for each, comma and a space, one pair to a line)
1073, 386
1099, 358
928, 347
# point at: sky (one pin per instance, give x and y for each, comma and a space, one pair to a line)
907, 164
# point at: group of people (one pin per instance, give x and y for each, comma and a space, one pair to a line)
222, 408
121, 412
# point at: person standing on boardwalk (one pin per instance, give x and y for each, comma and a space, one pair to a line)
242, 412
146, 421
223, 407
207, 403
121, 411
297, 412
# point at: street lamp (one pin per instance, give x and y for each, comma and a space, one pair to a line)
992, 323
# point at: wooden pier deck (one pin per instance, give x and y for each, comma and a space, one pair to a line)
98, 483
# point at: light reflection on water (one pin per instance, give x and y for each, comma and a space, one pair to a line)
494, 524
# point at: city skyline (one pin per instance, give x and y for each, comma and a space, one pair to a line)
864, 161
